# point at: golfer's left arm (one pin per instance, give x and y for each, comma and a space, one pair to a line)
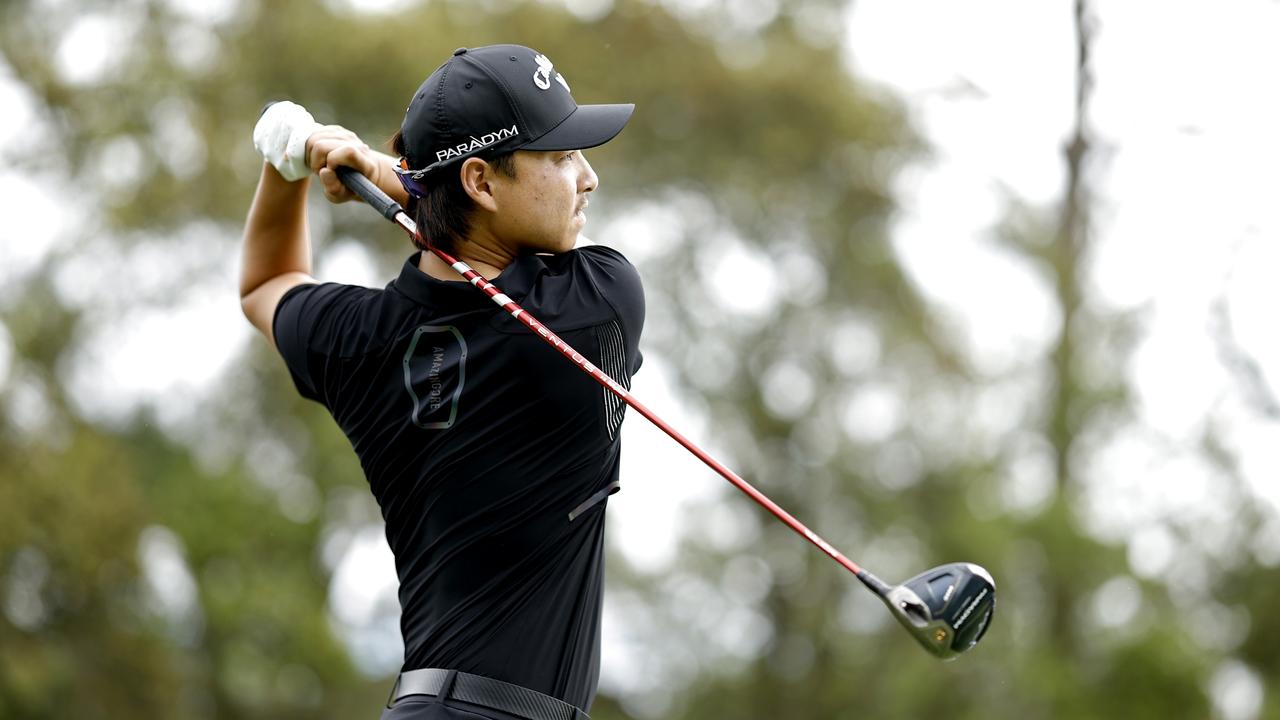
277, 244
277, 247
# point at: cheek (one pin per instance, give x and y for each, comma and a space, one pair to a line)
538, 200
553, 199
547, 208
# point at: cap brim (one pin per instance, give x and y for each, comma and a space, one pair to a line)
586, 127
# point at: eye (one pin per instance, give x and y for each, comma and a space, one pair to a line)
567, 156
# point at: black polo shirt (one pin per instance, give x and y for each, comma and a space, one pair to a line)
489, 453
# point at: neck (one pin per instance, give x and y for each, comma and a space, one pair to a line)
489, 262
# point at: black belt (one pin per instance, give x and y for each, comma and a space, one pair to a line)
483, 691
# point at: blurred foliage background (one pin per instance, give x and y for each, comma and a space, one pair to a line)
177, 560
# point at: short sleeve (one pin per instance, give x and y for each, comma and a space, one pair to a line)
619, 285
312, 323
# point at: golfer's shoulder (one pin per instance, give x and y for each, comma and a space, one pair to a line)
319, 300
606, 269
606, 285
330, 313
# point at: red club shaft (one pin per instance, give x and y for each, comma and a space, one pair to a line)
392, 211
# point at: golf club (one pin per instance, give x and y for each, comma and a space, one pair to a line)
946, 609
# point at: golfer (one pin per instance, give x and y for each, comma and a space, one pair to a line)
490, 456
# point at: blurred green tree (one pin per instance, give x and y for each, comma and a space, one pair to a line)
830, 378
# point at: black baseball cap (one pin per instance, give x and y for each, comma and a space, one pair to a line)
490, 100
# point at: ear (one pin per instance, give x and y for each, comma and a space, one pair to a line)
476, 176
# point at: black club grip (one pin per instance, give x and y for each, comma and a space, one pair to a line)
372, 194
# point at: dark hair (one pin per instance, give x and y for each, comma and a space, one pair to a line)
443, 215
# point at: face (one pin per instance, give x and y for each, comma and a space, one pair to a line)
541, 208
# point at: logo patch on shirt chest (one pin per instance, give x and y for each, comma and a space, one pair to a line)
434, 374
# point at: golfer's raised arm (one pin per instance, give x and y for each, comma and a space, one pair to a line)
277, 247
277, 243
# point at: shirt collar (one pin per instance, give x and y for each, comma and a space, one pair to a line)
515, 280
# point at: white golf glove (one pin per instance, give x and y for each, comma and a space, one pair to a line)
281, 138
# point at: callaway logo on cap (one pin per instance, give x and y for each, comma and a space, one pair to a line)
496, 99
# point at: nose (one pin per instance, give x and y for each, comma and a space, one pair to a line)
587, 179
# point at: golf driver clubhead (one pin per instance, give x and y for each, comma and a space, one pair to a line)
946, 609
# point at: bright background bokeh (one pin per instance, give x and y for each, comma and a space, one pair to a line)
1183, 237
